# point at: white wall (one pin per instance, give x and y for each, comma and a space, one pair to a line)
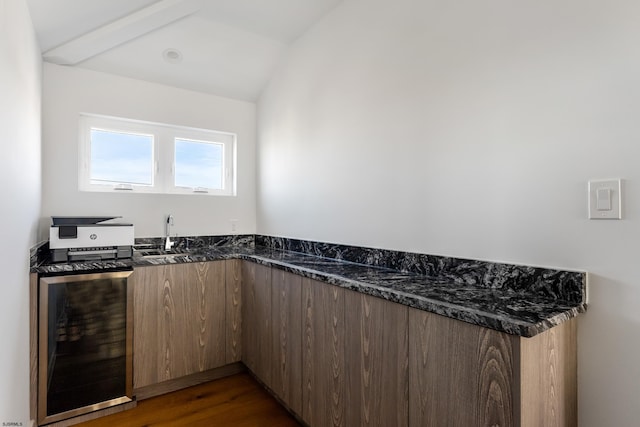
67, 92
20, 79
471, 129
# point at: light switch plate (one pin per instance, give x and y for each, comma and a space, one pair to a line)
605, 199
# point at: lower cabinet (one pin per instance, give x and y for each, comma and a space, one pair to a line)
323, 357
256, 320
336, 357
333, 356
341, 358
286, 336
355, 358
233, 310
377, 361
179, 321
461, 371
474, 376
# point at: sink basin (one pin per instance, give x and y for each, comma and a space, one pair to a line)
149, 251
159, 255
146, 252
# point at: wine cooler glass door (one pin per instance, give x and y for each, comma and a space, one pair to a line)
85, 360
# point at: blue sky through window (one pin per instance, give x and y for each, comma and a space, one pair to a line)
118, 157
198, 164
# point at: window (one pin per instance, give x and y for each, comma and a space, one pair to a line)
127, 155
121, 158
199, 164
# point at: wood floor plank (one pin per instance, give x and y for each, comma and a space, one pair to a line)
237, 401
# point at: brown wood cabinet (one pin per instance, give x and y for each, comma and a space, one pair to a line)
256, 320
286, 335
323, 358
377, 361
179, 320
340, 358
367, 361
233, 286
473, 376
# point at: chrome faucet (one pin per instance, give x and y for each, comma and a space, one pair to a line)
168, 244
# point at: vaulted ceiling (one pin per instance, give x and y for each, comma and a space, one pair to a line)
223, 47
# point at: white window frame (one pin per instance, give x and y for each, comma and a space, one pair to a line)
164, 137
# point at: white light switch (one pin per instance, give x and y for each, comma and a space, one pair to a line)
605, 199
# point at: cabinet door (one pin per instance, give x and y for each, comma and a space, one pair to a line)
286, 315
179, 320
147, 285
377, 361
323, 371
461, 373
204, 316
256, 320
233, 285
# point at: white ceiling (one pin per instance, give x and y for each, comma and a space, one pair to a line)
229, 47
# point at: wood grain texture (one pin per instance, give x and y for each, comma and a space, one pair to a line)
146, 283
33, 346
233, 285
256, 318
460, 374
179, 320
377, 361
323, 360
235, 401
205, 320
286, 300
172, 325
549, 377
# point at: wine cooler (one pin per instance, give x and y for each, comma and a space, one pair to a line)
85, 344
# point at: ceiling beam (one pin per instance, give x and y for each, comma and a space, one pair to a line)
121, 31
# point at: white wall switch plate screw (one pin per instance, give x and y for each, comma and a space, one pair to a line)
605, 199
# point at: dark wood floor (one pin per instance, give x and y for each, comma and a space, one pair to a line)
237, 401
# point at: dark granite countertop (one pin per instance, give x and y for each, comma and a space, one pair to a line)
518, 300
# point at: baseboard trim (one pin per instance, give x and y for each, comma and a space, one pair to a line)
149, 391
